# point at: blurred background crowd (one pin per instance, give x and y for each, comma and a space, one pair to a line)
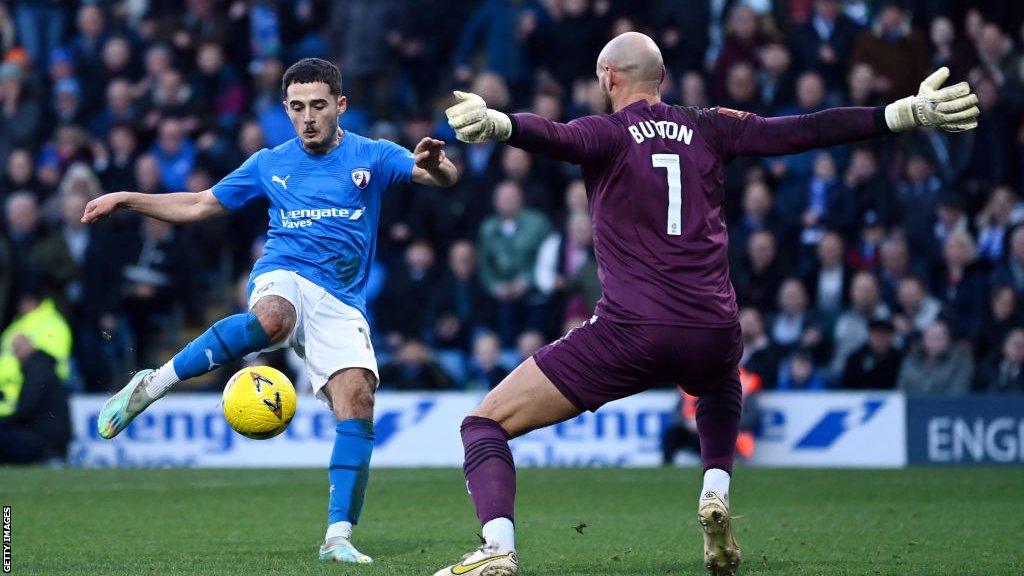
892, 264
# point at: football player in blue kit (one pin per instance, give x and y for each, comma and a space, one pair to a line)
324, 187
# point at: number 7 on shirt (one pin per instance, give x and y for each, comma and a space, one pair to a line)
675, 190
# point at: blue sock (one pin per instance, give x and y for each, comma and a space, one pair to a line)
227, 340
350, 469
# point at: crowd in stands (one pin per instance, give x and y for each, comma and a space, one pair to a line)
890, 264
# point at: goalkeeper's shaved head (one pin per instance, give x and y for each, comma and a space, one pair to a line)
635, 61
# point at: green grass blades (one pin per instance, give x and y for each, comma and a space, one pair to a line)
638, 522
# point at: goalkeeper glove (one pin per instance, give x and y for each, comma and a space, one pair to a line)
953, 109
473, 121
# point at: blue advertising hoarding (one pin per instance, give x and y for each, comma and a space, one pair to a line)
965, 430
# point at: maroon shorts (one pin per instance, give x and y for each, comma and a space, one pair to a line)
603, 360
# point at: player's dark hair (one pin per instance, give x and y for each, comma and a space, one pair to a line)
310, 70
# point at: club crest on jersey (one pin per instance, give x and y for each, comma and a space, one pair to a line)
737, 114
361, 177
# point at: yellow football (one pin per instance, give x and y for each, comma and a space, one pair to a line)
259, 402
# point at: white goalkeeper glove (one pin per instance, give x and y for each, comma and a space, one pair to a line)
953, 109
473, 121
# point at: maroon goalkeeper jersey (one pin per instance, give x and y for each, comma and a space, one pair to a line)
654, 180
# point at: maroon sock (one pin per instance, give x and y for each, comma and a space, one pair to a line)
490, 472
718, 423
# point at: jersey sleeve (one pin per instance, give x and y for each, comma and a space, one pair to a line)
586, 140
241, 186
735, 133
395, 163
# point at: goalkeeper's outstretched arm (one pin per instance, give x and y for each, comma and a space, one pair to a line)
176, 208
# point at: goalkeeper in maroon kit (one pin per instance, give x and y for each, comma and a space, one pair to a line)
653, 174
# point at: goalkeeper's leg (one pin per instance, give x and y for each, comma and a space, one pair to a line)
270, 322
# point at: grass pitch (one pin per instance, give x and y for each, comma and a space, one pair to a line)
248, 522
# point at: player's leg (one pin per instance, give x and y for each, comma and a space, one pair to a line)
269, 322
718, 418
525, 400
350, 392
342, 368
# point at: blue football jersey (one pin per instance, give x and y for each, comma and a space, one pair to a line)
323, 208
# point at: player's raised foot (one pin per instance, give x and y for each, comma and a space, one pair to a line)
721, 551
124, 406
484, 561
340, 549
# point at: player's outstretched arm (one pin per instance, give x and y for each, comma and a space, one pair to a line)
953, 109
432, 167
176, 208
579, 141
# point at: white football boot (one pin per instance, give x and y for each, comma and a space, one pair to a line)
721, 551
340, 549
486, 560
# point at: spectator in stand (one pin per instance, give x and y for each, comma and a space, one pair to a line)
35, 421
823, 204
1011, 272
961, 285
743, 39
799, 374
994, 52
566, 270
828, 279
936, 367
758, 280
508, 244
414, 368
40, 26
37, 253
988, 158
1002, 212
741, 90
87, 48
897, 53
156, 284
918, 196
760, 356
918, 310
894, 266
758, 215
1003, 372
516, 166
19, 174
148, 174
176, 154
1002, 315
485, 369
865, 255
504, 27
92, 296
20, 111
876, 364
795, 326
868, 187
777, 79
824, 42
460, 306
119, 109
794, 170
851, 328
399, 315
219, 88
529, 342
115, 161
947, 49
